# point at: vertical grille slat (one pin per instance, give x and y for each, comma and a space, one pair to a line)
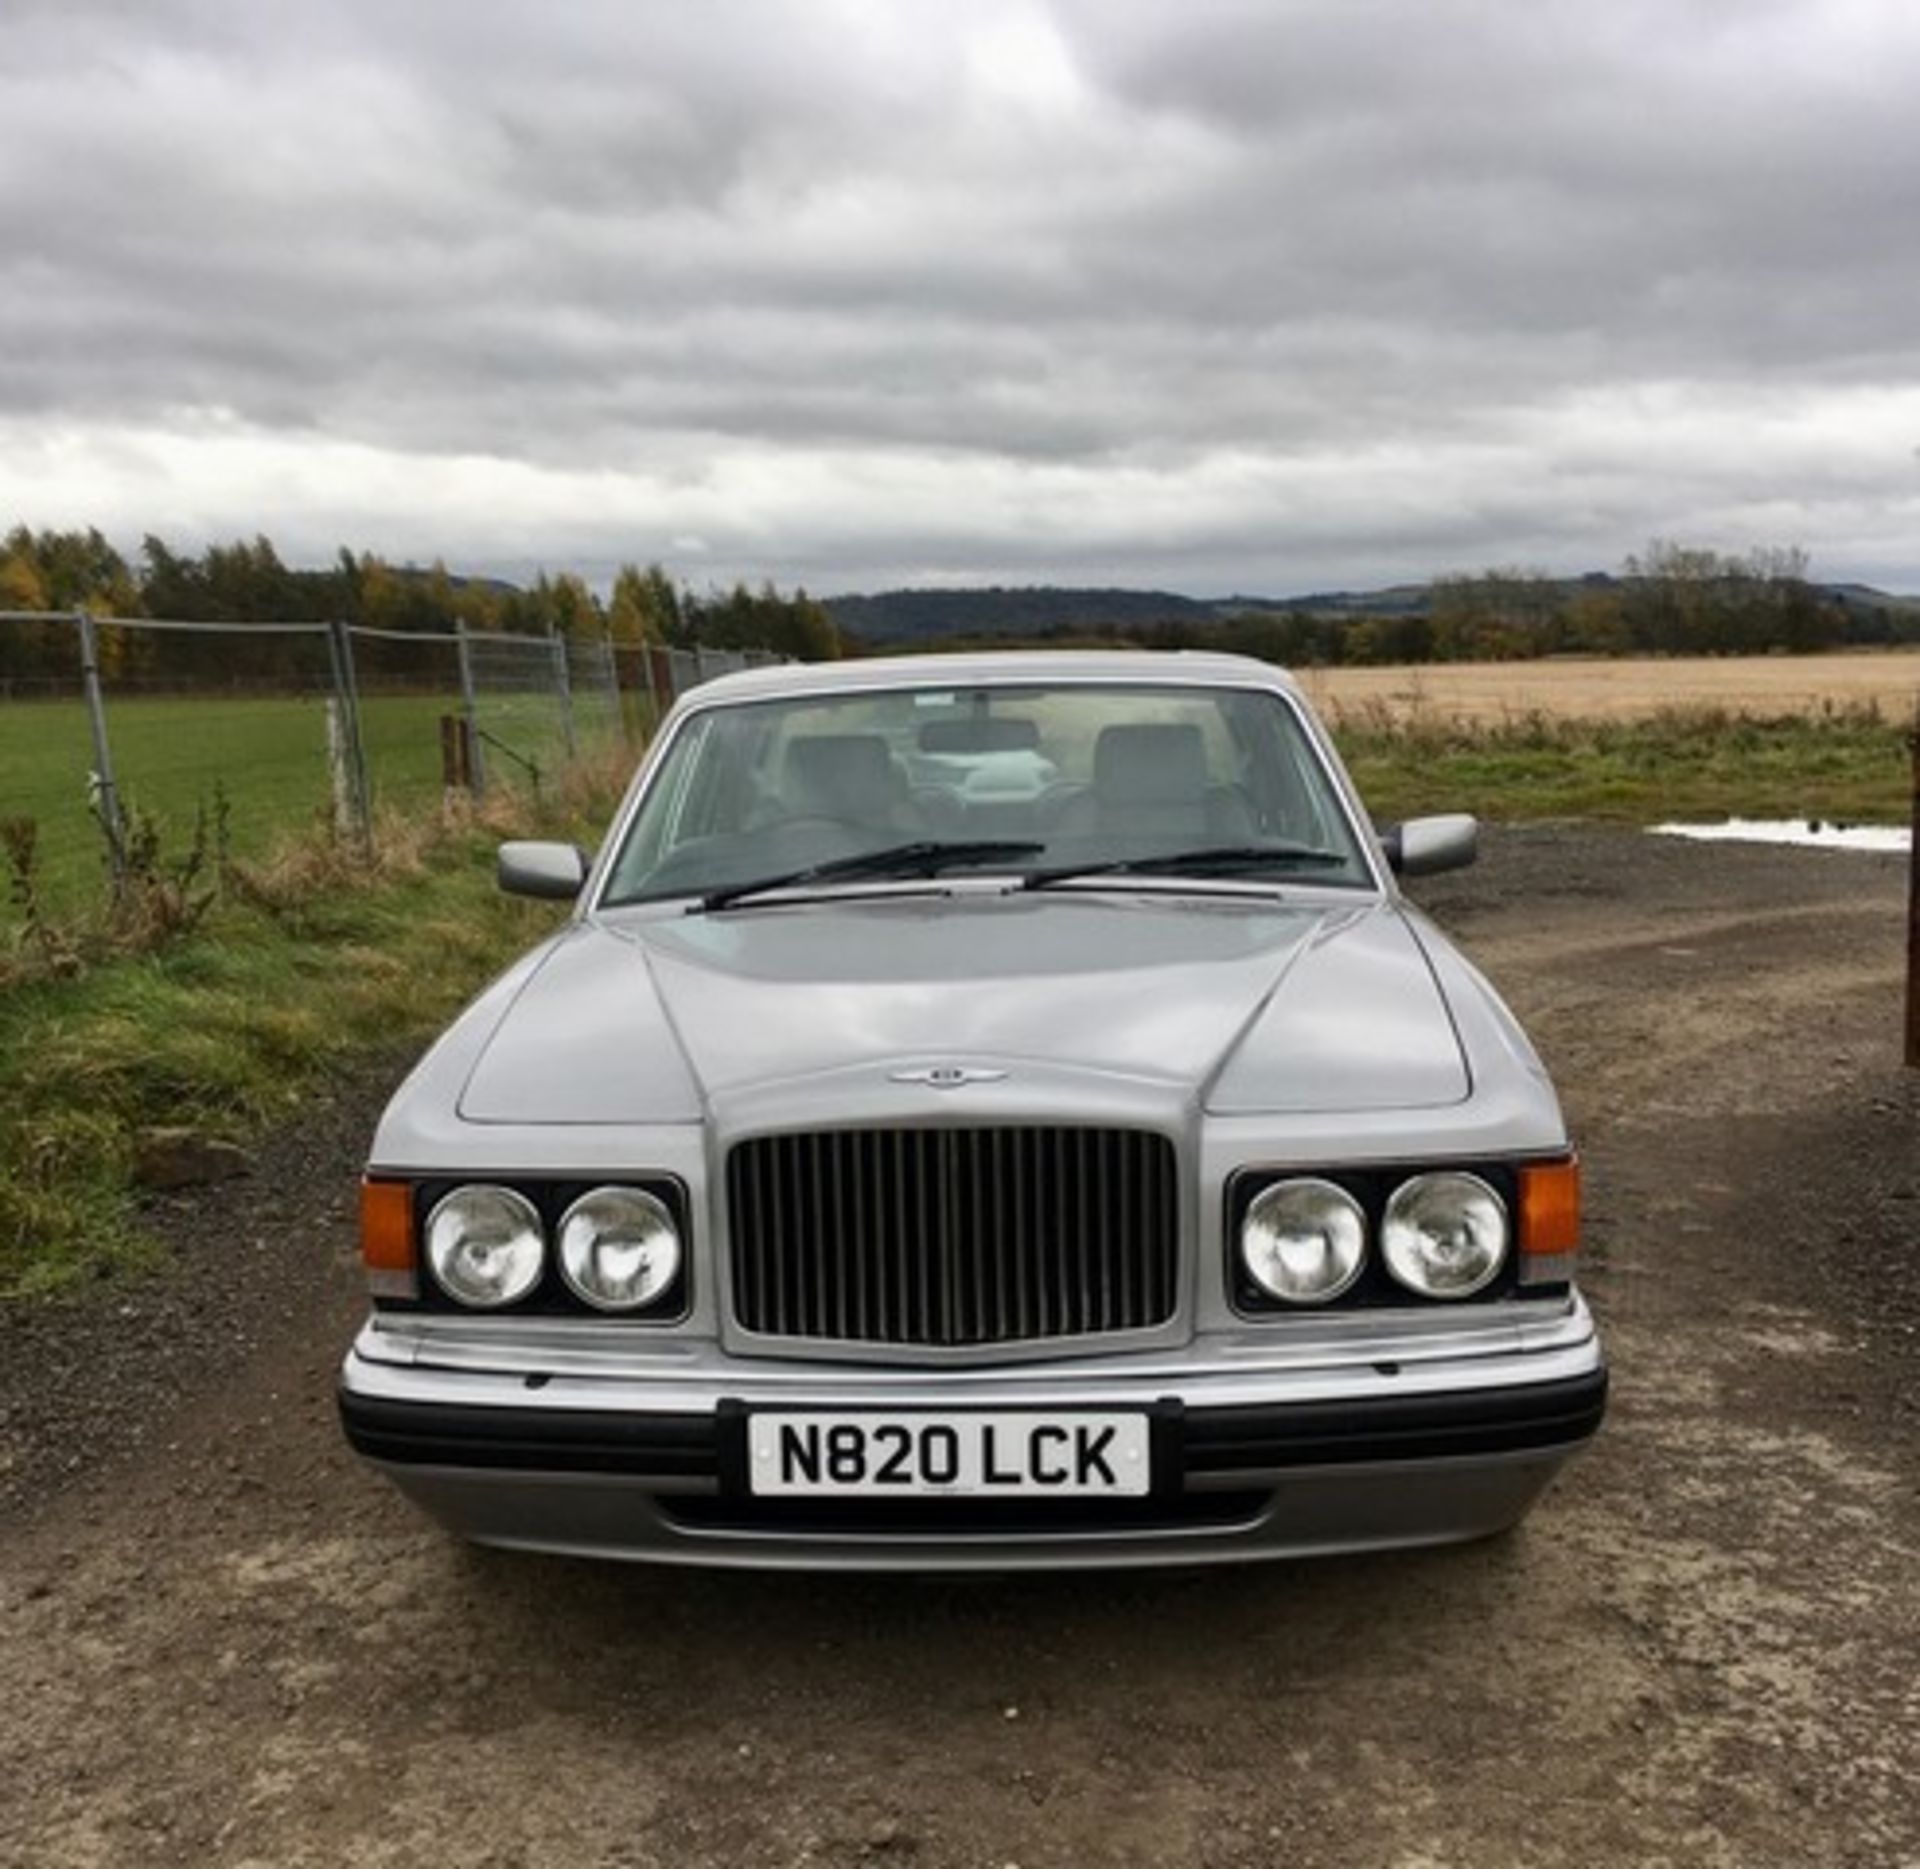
864, 1165
950, 1237
1026, 1324
899, 1237
1103, 1222
1139, 1288
1063, 1287
1085, 1279
788, 1272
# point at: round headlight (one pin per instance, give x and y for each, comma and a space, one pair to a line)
619, 1249
486, 1246
1303, 1241
1444, 1235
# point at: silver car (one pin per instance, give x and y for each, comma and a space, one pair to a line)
983, 1112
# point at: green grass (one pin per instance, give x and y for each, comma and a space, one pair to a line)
266, 754
1848, 765
224, 1031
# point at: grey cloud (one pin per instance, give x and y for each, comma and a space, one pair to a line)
1402, 266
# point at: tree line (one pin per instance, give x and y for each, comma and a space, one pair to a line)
248, 582
1668, 600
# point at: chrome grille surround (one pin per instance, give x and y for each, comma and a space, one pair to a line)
953, 1236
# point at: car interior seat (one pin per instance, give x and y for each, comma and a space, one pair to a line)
849, 777
1150, 778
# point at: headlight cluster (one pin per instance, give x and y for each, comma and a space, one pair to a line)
617, 1249
1304, 1241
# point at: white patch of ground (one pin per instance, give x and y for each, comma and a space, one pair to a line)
1814, 833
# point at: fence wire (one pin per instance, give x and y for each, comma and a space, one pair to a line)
48, 768
134, 739
217, 735
593, 693
522, 711
403, 684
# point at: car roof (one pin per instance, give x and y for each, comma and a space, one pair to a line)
1199, 667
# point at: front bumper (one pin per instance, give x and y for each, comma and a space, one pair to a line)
1261, 1449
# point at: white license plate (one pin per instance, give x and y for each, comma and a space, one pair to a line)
1054, 1455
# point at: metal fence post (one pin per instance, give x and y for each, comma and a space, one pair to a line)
563, 691
340, 649
610, 666
476, 754
107, 793
340, 769
653, 690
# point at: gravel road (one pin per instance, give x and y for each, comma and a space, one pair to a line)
222, 1643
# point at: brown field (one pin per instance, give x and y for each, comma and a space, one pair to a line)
1621, 689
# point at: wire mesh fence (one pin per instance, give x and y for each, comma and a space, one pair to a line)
596, 717
49, 796
404, 685
131, 740
650, 677
214, 737
522, 706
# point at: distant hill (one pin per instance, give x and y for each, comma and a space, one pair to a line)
1041, 610
456, 580
1000, 613
1866, 597
1390, 600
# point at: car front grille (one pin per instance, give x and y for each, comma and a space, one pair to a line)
953, 1237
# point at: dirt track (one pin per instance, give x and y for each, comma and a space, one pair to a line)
222, 1643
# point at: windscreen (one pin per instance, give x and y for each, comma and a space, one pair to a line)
1083, 773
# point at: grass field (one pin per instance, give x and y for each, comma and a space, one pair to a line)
1851, 766
1637, 739
267, 755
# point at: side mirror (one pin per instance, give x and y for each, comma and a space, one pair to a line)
551, 872
1425, 846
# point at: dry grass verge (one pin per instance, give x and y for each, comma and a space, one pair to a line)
292, 968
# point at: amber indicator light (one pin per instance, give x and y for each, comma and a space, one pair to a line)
386, 1226
1550, 1206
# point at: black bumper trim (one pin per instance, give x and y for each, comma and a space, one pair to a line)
1397, 1427
542, 1440
1195, 1441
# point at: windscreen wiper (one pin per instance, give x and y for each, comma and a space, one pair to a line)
925, 857
1221, 859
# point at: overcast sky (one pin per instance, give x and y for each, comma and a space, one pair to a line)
1217, 295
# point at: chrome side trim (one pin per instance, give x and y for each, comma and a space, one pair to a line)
567, 1367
